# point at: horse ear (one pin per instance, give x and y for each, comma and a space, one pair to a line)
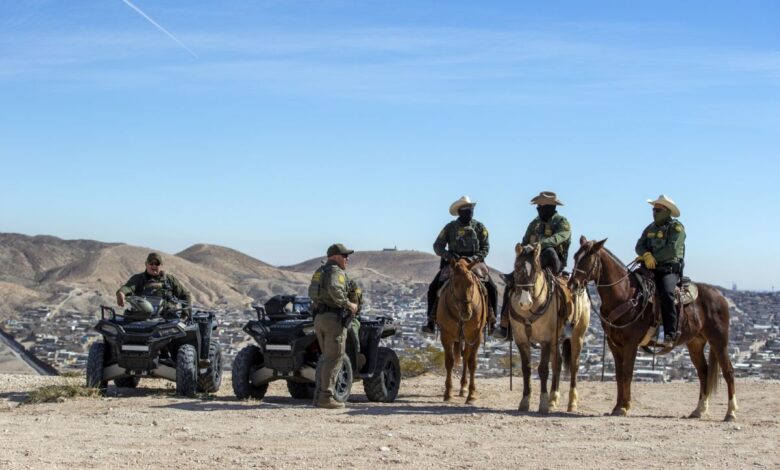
583, 240
453, 263
518, 248
598, 245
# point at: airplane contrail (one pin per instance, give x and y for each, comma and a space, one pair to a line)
138, 10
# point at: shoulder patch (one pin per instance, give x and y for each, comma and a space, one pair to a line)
317, 276
484, 232
565, 225
342, 279
678, 228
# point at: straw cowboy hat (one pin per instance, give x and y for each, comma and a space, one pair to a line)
666, 202
546, 198
462, 202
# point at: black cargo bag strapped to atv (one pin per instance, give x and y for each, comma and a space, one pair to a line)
286, 349
156, 337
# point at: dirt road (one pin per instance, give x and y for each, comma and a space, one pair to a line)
149, 428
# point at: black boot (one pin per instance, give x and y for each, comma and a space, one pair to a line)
429, 328
501, 333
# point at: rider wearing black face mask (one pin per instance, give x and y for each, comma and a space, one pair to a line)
464, 237
553, 232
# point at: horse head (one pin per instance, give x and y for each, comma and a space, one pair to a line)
587, 263
527, 275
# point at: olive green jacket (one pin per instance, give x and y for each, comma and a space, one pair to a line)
144, 284
666, 242
329, 287
464, 240
554, 233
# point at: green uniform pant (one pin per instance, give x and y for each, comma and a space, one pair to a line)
332, 338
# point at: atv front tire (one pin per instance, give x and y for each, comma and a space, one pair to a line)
186, 371
384, 384
95, 362
343, 386
209, 381
247, 361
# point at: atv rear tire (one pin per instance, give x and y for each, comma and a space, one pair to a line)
343, 386
127, 382
384, 384
186, 371
209, 381
247, 360
301, 390
95, 363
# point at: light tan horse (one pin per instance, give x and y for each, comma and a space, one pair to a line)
539, 307
461, 313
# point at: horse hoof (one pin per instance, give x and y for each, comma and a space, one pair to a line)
524, 405
462, 393
572, 408
447, 398
620, 412
471, 401
730, 418
695, 415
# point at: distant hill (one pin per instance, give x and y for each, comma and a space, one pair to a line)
83, 274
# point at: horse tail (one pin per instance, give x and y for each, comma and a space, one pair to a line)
566, 355
713, 372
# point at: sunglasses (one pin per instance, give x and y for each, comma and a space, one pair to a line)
345, 256
154, 263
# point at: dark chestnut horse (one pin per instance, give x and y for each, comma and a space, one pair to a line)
704, 321
461, 313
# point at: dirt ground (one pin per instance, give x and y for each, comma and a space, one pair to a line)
150, 428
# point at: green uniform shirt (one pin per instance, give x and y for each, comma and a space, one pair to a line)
464, 240
144, 284
666, 242
555, 233
329, 287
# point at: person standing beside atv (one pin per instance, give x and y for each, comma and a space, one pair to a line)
154, 282
332, 310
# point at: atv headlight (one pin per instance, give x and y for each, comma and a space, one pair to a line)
257, 328
168, 331
308, 330
109, 329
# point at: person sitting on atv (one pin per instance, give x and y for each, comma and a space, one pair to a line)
154, 282
464, 237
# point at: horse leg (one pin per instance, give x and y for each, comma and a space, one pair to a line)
722, 356
449, 361
628, 375
544, 374
696, 352
525, 363
556, 379
577, 343
617, 355
464, 374
472, 360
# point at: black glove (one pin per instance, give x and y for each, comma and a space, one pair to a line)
528, 249
452, 256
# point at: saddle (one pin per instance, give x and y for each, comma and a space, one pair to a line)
480, 270
687, 290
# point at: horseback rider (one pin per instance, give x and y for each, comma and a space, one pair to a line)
661, 248
553, 232
464, 237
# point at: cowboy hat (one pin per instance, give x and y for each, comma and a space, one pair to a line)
666, 202
462, 202
546, 198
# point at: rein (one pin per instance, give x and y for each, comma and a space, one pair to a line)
538, 312
629, 306
454, 302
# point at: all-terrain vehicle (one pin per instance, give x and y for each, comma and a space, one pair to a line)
286, 349
156, 337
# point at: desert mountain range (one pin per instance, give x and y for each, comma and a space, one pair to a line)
83, 274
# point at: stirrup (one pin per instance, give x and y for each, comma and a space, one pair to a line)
501, 333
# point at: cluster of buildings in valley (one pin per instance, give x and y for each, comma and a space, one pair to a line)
62, 338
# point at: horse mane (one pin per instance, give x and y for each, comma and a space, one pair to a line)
613, 256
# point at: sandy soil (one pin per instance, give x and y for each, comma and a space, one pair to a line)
149, 427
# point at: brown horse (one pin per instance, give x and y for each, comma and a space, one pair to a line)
627, 319
539, 306
461, 313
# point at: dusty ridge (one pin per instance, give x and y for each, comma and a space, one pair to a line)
150, 427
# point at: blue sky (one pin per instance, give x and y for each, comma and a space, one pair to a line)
300, 123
